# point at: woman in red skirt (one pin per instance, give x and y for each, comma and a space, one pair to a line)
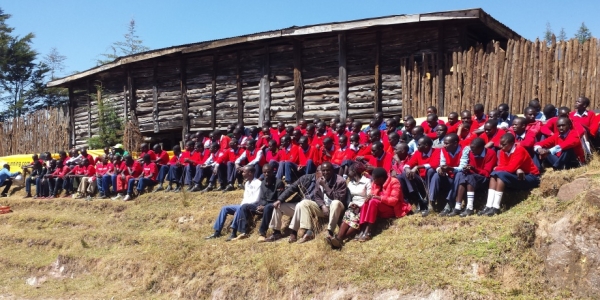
385, 201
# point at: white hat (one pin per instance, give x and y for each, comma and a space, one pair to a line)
19, 177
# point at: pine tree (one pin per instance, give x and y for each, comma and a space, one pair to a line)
583, 33
131, 45
548, 34
562, 36
54, 96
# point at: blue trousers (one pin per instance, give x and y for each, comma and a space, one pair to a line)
202, 173
240, 221
144, 183
189, 172
266, 219
475, 180
416, 189
221, 175
566, 160
232, 174
56, 185
226, 210
130, 185
28, 181
440, 185
175, 174
163, 171
290, 170
41, 188
107, 182
100, 185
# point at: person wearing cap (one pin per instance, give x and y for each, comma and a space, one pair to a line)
6, 179
118, 149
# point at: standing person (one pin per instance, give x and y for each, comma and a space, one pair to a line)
473, 176
6, 179
385, 201
252, 195
515, 170
359, 187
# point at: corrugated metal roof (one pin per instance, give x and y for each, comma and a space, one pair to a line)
476, 13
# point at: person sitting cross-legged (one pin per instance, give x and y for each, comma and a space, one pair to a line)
515, 170
385, 201
252, 195
563, 150
310, 189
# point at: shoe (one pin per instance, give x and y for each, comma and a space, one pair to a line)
335, 243
241, 237
189, 188
51, 197
221, 188
127, 198
158, 189
484, 211
4, 195
455, 212
228, 188
424, 213
209, 188
103, 197
67, 195
261, 239
358, 236
327, 238
306, 238
365, 237
466, 213
88, 198
492, 212
196, 188
292, 238
445, 212
240, 186
27, 196
231, 237
177, 189
117, 197
273, 237
168, 189
213, 236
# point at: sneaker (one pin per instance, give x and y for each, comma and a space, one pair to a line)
127, 198
231, 237
169, 188
196, 188
484, 211
228, 188
209, 188
455, 212
177, 189
240, 186
88, 198
492, 212
118, 197
466, 213
28, 196
445, 212
424, 213
158, 189
4, 195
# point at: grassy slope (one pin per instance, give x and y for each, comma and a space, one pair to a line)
142, 249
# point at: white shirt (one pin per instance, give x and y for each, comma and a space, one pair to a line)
359, 190
252, 192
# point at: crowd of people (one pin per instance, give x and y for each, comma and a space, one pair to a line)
344, 173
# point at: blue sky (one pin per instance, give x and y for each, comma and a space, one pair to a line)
81, 30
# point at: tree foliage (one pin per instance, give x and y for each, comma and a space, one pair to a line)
132, 44
110, 126
583, 33
54, 96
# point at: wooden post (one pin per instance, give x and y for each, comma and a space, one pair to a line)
155, 98
240, 96
440, 72
71, 117
132, 101
377, 105
343, 76
213, 97
264, 106
89, 108
185, 124
298, 84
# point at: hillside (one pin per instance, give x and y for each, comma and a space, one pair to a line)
154, 247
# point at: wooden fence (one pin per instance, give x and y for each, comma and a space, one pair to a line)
43, 130
557, 73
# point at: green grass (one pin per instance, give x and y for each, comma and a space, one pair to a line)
141, 250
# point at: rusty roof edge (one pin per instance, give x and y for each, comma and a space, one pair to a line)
473, 13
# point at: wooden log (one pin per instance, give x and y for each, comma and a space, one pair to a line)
130, 99
240, 99
298, 82
89, 110
71, 118
343, 76
265, 89
213, 97
185, 124
156, 127
441, 61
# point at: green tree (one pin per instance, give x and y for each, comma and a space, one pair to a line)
131, 45
110, 126
548, 34
562, 36
583, 33
55, 96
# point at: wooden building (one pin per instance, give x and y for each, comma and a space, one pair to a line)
325, 70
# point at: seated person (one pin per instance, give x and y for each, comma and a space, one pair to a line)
35, 176
102, 167
306, 159
430, 126
56, 182
515, 170
250, 157
505, 119
400, 159
525, 138
418, 172
342, 157
6, 179
393, 140
407, 133
316, 195
162, 157
479, 118
440, 134
43, 188
145, 149
452, 161
110, 177
475, 175
252, 195
172, 171
453, 123
359, 187
288, 154
146, 179
215, 167
87, 184
378, 158
130, 170
190, 158
417, 133
562, 150
233, 153
385, 201
581, 114
491, 135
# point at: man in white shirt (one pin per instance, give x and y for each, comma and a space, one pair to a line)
252, 194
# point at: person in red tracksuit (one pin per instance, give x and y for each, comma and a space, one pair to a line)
492, 134
363, 138
264, 138
340, 131
563, 150
452, 161
217, 165
365, 149
232, 173
474, 176
581, 114
515, 170
306, 154
146, 179
172, 171
127, 176
190, 159
418, 172
222, 139
145, 149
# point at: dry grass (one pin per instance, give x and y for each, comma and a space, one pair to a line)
155, 248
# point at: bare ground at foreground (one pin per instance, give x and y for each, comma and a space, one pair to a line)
154, 248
